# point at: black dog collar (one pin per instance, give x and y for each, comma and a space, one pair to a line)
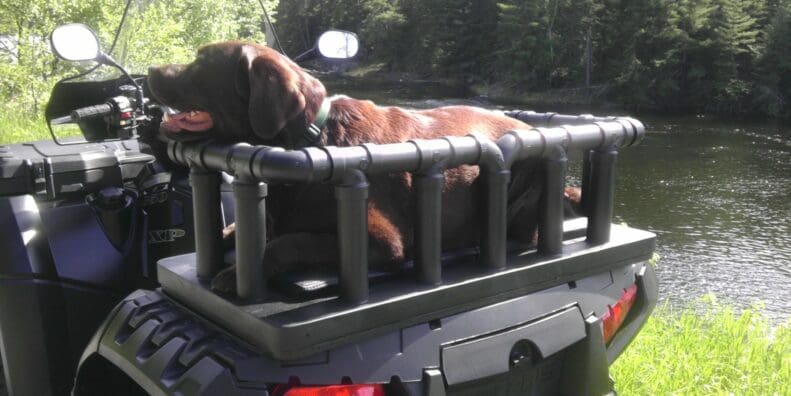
312, 133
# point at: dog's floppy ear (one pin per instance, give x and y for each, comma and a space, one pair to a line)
276, 88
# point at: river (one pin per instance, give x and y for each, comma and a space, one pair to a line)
716, 193
718, 196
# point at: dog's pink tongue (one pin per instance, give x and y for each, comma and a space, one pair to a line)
193, 121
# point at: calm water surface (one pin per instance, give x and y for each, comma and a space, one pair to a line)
716, 193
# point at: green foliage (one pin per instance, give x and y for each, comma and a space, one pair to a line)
774, 90
724, 56
300, 22
383, 22
16, 127
709, 350
167, 32
29, 69
524, 49
156, 31
719, 56
542, 44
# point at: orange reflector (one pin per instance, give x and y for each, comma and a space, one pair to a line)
615, 315
338, 390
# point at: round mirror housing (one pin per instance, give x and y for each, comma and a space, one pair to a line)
75, 42
338, 44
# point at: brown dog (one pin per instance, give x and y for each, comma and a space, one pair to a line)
239, 91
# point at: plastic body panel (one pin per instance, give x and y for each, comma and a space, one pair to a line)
484, 356
55, 289
46, 321
60, 274
168, 349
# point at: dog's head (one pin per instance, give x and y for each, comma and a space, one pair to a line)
236, 91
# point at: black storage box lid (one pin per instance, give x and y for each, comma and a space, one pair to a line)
44, 166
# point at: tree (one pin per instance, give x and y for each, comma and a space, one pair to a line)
30, 66
524, 52
735, 45
774, 92
156, 31
383, 30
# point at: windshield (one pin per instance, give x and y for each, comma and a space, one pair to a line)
156, 32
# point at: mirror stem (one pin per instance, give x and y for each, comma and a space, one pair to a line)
304, 54
106, 59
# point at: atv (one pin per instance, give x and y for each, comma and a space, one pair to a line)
110, 242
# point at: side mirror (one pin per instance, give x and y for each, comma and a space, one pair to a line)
338, 44
75, 42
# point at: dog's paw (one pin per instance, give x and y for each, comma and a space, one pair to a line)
229, 236
225, 281
228, 232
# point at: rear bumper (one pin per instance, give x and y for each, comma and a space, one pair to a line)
167, 349
581, 369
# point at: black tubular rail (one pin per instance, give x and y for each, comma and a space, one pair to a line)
347, 169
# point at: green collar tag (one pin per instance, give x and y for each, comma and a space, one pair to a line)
313, 131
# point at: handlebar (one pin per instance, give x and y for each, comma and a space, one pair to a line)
119, 117
89, 112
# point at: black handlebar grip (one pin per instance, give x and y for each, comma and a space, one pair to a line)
91, 112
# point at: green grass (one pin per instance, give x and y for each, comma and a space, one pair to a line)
707, 351
23, 128
16, 129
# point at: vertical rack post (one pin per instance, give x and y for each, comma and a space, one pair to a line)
352, 201
250, 198
586, 181
428, 233
600, 204
550, 223
493, 235
207, 221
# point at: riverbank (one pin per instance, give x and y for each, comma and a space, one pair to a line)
371, 82
706, 349
595, 96
598, 97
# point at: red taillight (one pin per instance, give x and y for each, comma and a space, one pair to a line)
615, 315
336, 390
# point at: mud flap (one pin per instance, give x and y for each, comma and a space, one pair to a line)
586, 371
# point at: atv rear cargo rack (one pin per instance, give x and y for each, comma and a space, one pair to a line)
288, 329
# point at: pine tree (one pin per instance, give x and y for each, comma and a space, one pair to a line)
524, 52
735, 44
774, 93
637, 50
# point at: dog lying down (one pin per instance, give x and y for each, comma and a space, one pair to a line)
236, 91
